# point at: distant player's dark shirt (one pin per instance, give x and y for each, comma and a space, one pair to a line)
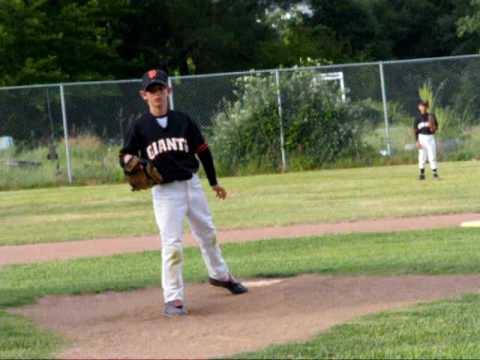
420, 124
172, 149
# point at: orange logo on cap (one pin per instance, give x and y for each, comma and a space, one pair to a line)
152, 74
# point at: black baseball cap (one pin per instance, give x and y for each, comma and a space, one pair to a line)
154, 77
423, 102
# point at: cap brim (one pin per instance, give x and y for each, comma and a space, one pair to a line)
155, 82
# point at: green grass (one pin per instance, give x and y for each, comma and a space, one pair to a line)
446, 251
21, 339
89, 212
441, 330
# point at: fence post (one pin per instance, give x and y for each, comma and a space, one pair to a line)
50, 119
280, 116
385, 110
65, 134
170, 98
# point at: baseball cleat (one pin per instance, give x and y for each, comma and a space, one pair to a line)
233, 285
174, 308
421, 177
435, 176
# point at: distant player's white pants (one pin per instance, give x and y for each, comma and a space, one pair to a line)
172, 203
427, 152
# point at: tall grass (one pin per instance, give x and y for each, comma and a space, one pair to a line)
92, 162
96, 162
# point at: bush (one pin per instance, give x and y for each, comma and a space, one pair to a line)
320, 127
247, 131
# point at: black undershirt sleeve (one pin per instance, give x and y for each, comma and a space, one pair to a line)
415, 128
130, 144
206, 159
435, 120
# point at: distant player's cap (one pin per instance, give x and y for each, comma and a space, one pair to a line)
423, 102
154, 77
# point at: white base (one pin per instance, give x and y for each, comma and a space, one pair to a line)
470, 224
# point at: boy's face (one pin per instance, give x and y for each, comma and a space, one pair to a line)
422, 108
156, 95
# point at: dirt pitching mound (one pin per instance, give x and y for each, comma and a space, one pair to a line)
131, 324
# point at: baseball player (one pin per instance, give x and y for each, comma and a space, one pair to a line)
173, 143
424, 126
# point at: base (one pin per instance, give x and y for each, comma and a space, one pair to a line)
470, 223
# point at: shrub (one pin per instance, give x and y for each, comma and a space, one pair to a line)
320, 126
247, 131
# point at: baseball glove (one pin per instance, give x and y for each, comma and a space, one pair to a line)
141, 174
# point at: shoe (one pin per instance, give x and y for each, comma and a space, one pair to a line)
233, 285
435, 176
174, 308
421, 177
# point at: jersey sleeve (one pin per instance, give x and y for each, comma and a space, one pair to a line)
200, 147
415, 128
206, 159
435, 120
131, 144
195, 138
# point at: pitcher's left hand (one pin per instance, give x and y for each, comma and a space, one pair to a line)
221, 192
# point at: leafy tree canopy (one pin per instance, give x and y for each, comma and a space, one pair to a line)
45, 41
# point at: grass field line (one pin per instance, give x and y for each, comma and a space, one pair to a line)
22, 254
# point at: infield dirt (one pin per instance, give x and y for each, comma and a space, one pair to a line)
22, 254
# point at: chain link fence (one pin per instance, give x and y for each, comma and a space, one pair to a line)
255, 121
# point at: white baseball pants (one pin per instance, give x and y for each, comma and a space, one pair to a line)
427, 152
173, 202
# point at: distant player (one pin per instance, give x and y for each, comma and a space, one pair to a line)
424, 127
172, 142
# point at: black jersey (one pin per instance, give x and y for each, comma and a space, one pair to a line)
171, 149
420, 124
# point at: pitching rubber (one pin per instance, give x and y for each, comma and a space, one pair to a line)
470, 223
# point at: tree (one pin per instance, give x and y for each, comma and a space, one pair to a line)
297, 43
419, 28
23, 35
468, 26
49, 41
394, 29
351, 23
195, 36
65, 40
